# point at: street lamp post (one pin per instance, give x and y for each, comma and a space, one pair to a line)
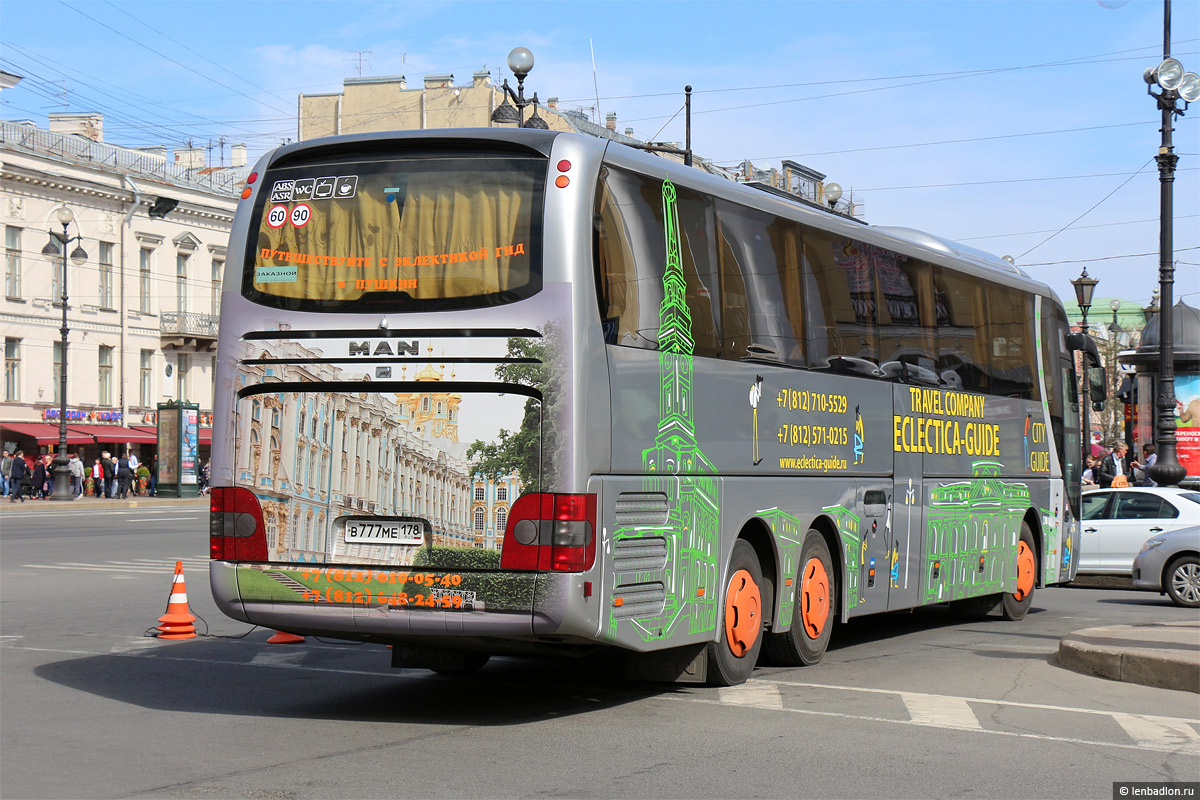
1085, 286
1175, 85
520, 61
62, 472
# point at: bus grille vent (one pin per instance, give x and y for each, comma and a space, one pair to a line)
638, 600
641, 554
641, 508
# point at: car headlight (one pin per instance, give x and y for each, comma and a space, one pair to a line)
1151, 544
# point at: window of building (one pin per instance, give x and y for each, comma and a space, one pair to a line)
501, 520
218, 269
479, 494
502, 494
105, 376
57, 373
144, 259
480, 519
12, 370
12, 261
181, 267
106, 275
145, 370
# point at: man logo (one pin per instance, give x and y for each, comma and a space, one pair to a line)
384, 348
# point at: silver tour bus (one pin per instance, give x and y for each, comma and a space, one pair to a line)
491, 391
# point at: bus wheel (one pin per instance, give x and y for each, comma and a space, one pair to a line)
732, 657
814, 611
1016, 605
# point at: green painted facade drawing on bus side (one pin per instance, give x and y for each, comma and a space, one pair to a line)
853, 541
679, 469
973, 527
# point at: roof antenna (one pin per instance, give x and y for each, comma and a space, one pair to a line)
595, 85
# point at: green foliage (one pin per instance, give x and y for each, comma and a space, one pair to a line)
534, 450
457, 558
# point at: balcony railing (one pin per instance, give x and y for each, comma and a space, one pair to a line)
186, 323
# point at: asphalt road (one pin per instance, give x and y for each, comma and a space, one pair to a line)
907, 705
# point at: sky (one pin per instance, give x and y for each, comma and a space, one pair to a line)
1020, 128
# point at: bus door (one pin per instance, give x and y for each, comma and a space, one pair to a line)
876, 545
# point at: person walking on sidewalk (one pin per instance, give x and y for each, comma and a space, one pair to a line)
17, 477
5, 468
124, 476
110, 474
39, 480
97, 479
76, 467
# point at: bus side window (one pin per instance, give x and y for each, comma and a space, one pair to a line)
628, 247
963, 361
1011, 338
697, 251
907, 320
843, 314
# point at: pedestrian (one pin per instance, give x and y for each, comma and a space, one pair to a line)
110, 474
1089, 474
97, 479
5, 468
1149, 458
154, 477
39, 480
76, 467
1115, 469
17, 474
124, 476
133, 462
205, 474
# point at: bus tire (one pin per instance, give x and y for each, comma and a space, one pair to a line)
1016, 605
732, 657
814, 611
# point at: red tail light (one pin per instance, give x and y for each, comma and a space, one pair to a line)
551, 533
235, 526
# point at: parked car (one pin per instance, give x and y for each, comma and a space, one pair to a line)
1116, 522
1169, 563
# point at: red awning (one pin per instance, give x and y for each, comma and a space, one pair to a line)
45, 433
205, 433
116, 434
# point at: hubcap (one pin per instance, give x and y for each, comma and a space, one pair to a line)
743, 613
1185, 580
814, 598
1025, 568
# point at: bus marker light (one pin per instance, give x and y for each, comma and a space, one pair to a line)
618, 601
562, 181
564, 165
247, 192
587, 588
252, 178
788, 582
700, 592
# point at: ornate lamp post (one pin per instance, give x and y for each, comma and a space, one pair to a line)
1085, 286
62, 472
520, 61
1175, 85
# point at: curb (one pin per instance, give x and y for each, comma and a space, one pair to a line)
96, 504
1162, 655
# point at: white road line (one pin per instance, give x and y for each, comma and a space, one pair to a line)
1158, 732
758, 695
156, 519
278, 658
82, 568
940, 711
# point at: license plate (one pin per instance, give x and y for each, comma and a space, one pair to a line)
383, 531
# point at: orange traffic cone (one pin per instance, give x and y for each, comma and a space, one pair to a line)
177, 622
285, 638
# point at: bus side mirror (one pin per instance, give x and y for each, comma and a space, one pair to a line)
1096, 391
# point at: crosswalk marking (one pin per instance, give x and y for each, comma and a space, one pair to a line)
1158, 732
940, 711
278, 658
759, 695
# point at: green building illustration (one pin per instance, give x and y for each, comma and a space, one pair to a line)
678, 468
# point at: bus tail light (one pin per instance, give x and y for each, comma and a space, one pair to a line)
551, 533
236, 529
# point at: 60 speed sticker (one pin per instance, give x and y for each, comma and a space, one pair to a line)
277, 216
301, 214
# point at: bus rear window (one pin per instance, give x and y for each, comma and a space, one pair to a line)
421, 233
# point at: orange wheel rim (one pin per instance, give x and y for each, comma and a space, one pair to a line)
814, 598
743, 613
1025, 568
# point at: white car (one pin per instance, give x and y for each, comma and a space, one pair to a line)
1117, 522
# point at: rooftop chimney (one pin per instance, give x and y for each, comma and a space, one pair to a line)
481, 78
237, 157
158, 151
87, 124
189, 157
439, 81
629, 132
610, 121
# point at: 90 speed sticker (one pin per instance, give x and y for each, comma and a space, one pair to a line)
301, 215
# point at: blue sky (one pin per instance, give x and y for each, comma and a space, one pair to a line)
994, 123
